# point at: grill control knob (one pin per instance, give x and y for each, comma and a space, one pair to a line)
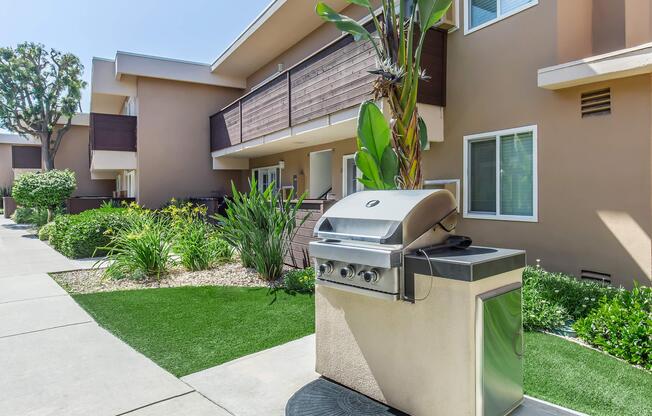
370, 276
347, 272
325, 268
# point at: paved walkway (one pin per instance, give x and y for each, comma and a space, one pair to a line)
55, 360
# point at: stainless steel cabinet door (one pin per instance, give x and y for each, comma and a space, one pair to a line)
502, 365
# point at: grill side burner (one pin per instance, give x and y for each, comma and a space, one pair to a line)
365, 236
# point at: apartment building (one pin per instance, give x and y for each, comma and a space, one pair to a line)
539, 115
23, 154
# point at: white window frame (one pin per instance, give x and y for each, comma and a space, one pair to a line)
495, 135
499, 16
345, 179
278, 180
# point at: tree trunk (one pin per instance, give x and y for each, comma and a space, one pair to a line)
47, 159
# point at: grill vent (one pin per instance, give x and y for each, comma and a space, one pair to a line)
596, 103
593, 276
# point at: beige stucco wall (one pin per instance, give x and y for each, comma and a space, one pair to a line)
174, 141
638, 15
6, 172
594, 173
297, 162
73, 155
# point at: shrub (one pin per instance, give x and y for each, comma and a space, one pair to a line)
45, 231
622, 326
85, 234
195, 241
540, 313
261, 225
576, 296
45, 190
300, 280
141, 248
34, 216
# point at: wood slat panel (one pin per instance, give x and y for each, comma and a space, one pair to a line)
334, 79
433, 60
225, 128
113, 132
266, 110
26, 157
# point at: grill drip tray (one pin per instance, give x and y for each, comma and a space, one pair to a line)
326, 398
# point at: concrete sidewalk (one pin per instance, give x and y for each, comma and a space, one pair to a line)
54, 358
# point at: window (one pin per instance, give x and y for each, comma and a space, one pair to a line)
265, 176
500, 175
482, 13
350, 175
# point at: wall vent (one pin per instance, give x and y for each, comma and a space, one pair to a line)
596, 103
599, 277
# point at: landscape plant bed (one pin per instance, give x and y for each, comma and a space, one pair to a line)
188, 329
94, 280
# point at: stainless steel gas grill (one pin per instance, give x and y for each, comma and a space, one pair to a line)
454, 346
365, 236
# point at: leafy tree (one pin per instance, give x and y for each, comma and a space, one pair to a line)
44, 190
398, 42
39, 88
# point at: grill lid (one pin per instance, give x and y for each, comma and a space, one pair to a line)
388, 217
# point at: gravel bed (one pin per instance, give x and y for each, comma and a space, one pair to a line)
91, 281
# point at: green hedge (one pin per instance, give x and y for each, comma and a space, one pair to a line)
622, 326
32, 216
78, 236
552, 299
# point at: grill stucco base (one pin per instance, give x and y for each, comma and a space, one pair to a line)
418, 358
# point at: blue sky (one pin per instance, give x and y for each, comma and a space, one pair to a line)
193, 30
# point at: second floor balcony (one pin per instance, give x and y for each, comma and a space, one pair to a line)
322, 90
112, 143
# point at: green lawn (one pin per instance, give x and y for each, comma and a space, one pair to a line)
584, 380
188, 329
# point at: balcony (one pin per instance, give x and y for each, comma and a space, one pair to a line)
26, 157
112, 143
323, 90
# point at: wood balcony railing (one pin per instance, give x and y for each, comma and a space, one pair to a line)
335, 78
113, 132
26, 157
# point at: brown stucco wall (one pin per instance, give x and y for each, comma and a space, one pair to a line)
73, 155
594, 173
297, 162
173, 141
6, 172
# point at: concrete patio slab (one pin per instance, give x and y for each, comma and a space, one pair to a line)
38, 314
28, 287
261, 383
78, 370
192, 404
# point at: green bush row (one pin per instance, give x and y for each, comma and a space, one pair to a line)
622, 326
85, 234
552, 299
32, 216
